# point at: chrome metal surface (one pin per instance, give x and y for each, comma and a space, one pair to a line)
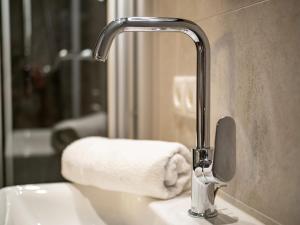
1, 125
202, 179
207, 214
7, 90
65, 55
75, 63
225, 150
27, 19
154, 24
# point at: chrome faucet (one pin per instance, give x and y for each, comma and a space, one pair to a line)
203, 181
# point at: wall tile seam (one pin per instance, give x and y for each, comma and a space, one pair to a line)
248, 209
233, 11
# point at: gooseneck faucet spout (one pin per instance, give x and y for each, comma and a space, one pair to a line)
154, 24
202, 185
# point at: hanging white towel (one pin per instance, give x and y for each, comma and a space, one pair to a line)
143, 167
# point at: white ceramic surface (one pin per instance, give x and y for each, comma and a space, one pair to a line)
70, 204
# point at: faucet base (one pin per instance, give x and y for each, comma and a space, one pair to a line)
207, 214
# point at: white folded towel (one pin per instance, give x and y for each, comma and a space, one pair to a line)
150, 168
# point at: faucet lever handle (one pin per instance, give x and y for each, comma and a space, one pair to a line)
206, 177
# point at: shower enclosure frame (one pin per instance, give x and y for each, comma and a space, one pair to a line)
6, 97
1, 128
130, 76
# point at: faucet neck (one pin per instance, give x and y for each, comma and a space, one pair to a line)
203, 97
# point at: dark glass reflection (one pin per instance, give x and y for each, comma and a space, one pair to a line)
43, 62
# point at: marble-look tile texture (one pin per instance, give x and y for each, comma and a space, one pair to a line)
255, 78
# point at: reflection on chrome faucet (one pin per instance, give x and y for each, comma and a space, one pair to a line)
203, 181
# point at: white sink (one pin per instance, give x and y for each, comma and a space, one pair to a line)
70, 204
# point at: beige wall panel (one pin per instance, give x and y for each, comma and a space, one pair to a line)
255, 79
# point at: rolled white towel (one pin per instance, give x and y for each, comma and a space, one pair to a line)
150, 168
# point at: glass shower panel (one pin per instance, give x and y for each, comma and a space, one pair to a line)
58, 91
